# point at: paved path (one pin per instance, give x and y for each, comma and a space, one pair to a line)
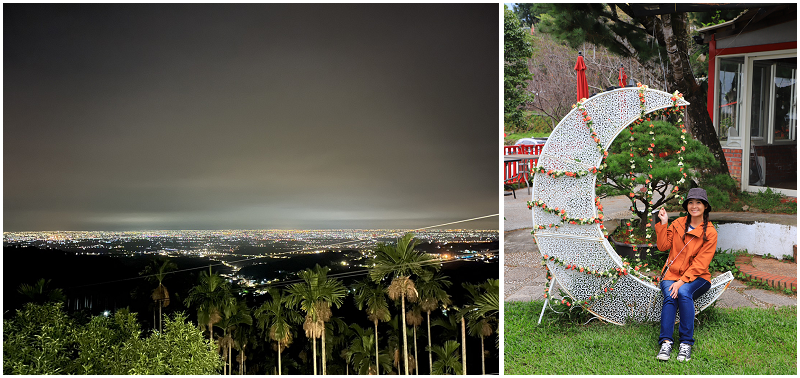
524, 277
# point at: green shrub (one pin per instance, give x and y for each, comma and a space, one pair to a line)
723, 261
539, 124
719, 188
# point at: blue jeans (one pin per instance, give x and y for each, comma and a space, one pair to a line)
684, 303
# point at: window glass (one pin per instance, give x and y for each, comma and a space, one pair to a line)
728, 87
785, 107
759, 110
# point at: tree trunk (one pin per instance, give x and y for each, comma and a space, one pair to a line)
377, 364
405, 340
464, 346
676, 37
314, 346
483, 358
160, 302
323, 349
430, 353
279, 358
416, 361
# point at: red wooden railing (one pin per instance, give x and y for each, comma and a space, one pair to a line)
511, 169
525, 149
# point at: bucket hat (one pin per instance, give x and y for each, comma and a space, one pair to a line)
700, 194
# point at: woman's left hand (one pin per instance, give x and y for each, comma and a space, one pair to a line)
673, 289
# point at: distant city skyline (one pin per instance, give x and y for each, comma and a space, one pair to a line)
250, 116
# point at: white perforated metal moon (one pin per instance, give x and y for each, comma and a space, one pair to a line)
570, 147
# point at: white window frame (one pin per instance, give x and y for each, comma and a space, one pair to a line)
744, 127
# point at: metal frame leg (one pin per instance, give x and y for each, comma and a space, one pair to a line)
547, 301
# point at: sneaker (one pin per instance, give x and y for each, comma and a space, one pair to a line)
685, 352
666, 349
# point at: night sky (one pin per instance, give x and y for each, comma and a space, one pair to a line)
254, 116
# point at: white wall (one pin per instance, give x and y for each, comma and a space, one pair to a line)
785, 32
757, 239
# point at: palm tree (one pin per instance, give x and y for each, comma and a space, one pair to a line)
338, 336
155, 271
487, 303
360, 353
40, 292
449, 325
243, 337
483, 311
401, 261
450, 328
371, 298
414, 318
224, 343
481, 328
211, 295
234, 314
447, 358
393, 342
432, 293
315, 295
275, 319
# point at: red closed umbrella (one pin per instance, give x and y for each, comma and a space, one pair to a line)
622, 77
583, 86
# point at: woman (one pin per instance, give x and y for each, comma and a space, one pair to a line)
692, 241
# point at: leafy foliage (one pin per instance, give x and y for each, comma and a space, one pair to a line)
448, 359
718, 188
42, 339
188, 352
41, 292
516, 51
723, 261
211, 295
599, 22
38, 341
361, 352
530, 13
402, 260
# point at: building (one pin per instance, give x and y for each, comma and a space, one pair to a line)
752, 98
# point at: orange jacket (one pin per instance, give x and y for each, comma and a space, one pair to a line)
694, 260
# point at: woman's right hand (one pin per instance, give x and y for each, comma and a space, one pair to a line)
662, 214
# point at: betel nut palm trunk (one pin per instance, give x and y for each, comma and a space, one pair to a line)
377, 364
405, 341
430, 352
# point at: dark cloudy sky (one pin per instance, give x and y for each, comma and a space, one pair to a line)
130, 117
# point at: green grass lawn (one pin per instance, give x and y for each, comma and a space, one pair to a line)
727, 341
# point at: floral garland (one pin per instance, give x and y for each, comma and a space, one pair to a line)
590, 124
555, 173
564, 218
642, 106
633, 166
614, 274
676, 96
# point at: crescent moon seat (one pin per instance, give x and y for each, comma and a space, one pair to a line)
570, 147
